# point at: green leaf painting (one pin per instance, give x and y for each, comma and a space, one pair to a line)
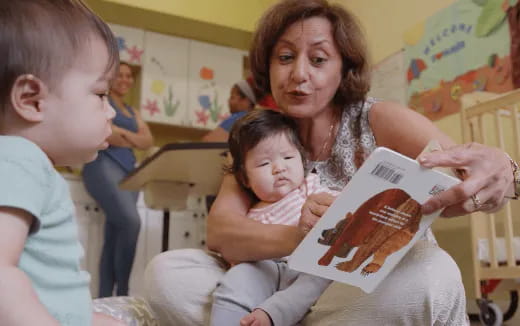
491, 17
215, 108
170, 108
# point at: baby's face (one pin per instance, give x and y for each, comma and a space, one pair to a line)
78, 116
274, 168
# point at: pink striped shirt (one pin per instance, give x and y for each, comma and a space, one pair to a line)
287, 210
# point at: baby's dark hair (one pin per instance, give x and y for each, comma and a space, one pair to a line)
44, 38
250, 130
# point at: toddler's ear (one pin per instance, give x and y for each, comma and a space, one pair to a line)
26, 96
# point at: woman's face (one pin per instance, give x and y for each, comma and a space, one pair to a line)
305, 68
124, 81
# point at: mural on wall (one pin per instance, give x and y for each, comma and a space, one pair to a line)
130, 42
463, 48
210, 81
164, 83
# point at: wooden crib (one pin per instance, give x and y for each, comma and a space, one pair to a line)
494, 120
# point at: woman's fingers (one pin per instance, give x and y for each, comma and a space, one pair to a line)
459, 156
457, 194
487, 200
487, 174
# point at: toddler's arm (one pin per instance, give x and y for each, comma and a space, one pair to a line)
19, 304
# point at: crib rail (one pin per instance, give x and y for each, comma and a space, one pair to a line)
489, 123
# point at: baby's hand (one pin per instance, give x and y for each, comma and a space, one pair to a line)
257, 318
314, 207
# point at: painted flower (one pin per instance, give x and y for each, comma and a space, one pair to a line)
157, 87
202, 117
135, 54
121, 43
206, 73
151, 107
205, 102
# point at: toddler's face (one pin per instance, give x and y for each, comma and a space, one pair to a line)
77, 111
274, 168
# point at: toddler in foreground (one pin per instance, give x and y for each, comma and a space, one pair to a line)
58, 58
268, 163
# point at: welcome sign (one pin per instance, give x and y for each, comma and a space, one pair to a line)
461, 49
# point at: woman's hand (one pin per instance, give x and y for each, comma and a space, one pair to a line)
313, 209
487, 179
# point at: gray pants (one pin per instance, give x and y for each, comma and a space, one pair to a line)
286, 295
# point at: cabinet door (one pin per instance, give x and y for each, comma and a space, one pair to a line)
149, 245
213, 70
130, 42
183, 230
90, 222
165, 79
95, 244
201, 230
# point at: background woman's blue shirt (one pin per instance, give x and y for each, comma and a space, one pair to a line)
124, 156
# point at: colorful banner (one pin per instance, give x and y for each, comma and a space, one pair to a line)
461, 49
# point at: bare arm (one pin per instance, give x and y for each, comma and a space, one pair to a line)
117, 138
218, 134
238, 238
142, 139
404, 130
15, 286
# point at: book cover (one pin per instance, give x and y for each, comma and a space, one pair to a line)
373, 222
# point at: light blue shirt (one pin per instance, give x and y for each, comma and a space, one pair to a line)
52, 252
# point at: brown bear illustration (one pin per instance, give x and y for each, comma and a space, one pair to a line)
380, 226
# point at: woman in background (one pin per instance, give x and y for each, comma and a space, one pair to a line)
102, 177
242, 98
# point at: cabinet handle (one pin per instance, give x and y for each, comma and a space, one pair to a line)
87, 207
195, 215
186, 234
203, 242
96, 209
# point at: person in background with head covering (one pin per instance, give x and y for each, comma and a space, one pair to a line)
241, 100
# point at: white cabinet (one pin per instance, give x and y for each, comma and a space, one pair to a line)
130, 42
164, 87
183, 82
187, 230
213, 70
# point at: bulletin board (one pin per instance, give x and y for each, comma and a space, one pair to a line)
461, 49
388, 80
